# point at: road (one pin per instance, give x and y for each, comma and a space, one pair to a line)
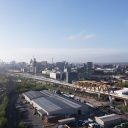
12, 116
41, 78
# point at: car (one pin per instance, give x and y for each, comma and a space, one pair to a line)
22, 110
90, 120
19, 106
85, 123
24, 102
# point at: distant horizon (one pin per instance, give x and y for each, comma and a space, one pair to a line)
66, 61
68, 54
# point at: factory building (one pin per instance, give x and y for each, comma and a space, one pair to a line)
51, 104
30, 95
108, 121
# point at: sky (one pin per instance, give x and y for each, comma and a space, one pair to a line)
71, 30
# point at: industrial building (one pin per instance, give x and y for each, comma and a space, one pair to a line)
30, 95
51, 104
108, 121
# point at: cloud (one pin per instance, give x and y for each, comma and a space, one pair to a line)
81, 36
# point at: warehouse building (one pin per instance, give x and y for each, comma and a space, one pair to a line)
108, 121
52, 104
30, 95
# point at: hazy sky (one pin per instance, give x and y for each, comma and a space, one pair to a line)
72, 30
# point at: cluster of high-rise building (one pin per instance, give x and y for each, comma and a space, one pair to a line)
71, 72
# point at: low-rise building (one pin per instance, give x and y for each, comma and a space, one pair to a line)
30, 95
46, 72
108, 121
51, 104
55, 75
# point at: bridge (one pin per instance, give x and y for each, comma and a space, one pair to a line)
100, 88
84, 86
93, 86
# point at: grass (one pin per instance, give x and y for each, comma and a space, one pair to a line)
3, 108
3, 80
22, 125
122, 85
122, 108
29, 84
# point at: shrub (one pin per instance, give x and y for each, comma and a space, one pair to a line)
22, 125
3, 122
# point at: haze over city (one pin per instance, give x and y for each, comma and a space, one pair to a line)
75, 31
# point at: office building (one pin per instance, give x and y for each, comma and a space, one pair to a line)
71, 77
89, 67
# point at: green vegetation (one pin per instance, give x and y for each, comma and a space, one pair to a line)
120, 84
29, 84
122, 108
3, 80
22, 125
3, 108
122, 125
3, 122
124, 85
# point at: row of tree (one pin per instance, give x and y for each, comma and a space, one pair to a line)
3, 107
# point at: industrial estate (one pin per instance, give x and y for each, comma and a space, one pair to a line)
64, 95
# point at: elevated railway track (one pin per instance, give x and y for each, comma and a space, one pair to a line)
84, 86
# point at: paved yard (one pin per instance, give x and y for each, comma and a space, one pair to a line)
34, 121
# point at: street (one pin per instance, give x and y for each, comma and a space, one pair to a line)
12, 116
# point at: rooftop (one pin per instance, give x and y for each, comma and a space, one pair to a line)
109, 117
52, 103
46, 104
33, 94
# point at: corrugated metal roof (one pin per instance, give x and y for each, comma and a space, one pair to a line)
67, 102
53, 104
60, 99
110, 117
47, 93
46, 104
33, 94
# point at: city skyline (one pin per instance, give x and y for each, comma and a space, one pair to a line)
65, 30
